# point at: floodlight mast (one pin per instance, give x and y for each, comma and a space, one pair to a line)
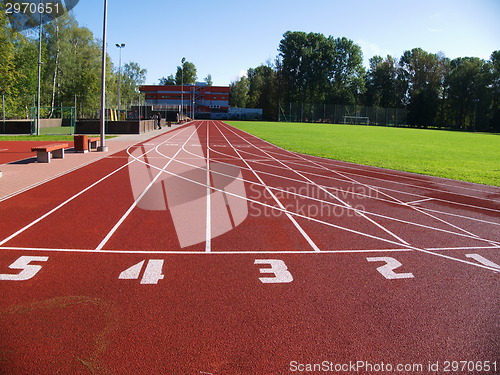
37, 130
120, 46
182, 89
103, 147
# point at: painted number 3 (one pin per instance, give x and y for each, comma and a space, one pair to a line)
278, 269
27, 270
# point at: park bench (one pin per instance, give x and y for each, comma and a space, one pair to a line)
85, 143
93, 142
43, 153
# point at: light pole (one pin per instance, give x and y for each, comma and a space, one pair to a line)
120, 46
103, 147
3, 110
182, 88
39, 74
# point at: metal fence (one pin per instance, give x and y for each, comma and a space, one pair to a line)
342, 114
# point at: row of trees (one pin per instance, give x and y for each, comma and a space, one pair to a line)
71, 69
186, 73
462, 93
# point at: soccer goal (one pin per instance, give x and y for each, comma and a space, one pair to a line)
356, 120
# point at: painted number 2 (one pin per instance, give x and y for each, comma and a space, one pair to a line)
278, 269
27, 270
387, 270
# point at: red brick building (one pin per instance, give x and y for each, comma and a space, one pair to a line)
201, 98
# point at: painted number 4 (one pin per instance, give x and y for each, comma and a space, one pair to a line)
27, 270
152, 274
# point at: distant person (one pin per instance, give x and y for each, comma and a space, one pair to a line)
158, 118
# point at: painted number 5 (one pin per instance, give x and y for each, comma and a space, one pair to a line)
278, 269
27, 270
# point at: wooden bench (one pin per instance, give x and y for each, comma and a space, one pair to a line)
43, 153
93, 142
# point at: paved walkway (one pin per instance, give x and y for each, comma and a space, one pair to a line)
20, 176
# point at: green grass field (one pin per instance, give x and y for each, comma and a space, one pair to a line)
473, 157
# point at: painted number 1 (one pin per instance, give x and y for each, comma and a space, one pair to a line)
278, 269
27, 270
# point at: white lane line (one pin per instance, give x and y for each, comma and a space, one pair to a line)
305, 158
198, 157
291, 218
127, 213
483, 260
208, 229
61, 205
198, 252
345, 204
74, 196
419, 201
417, 209
374, 188
405, 203
382, 171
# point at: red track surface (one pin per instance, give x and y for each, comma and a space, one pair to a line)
326, 263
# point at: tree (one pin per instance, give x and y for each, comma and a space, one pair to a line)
133, 76
239, 92
494, 65
186, 74
424, 74
314, 68
170, 80
8, 74
208, 80
347, 72
262, 90
468, 93
382, 83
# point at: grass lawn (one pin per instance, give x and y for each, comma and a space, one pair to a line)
473, 157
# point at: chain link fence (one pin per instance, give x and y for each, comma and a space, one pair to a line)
342, 114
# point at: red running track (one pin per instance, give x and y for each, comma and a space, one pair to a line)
209, 251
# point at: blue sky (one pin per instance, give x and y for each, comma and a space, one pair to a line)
226, 37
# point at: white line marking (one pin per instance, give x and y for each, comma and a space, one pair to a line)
125, 215
419, 201
71, 199
392, 201
208, 229
483, 260
406, 204
382, 171
377, 170
345, 204
295, 223
378, 189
